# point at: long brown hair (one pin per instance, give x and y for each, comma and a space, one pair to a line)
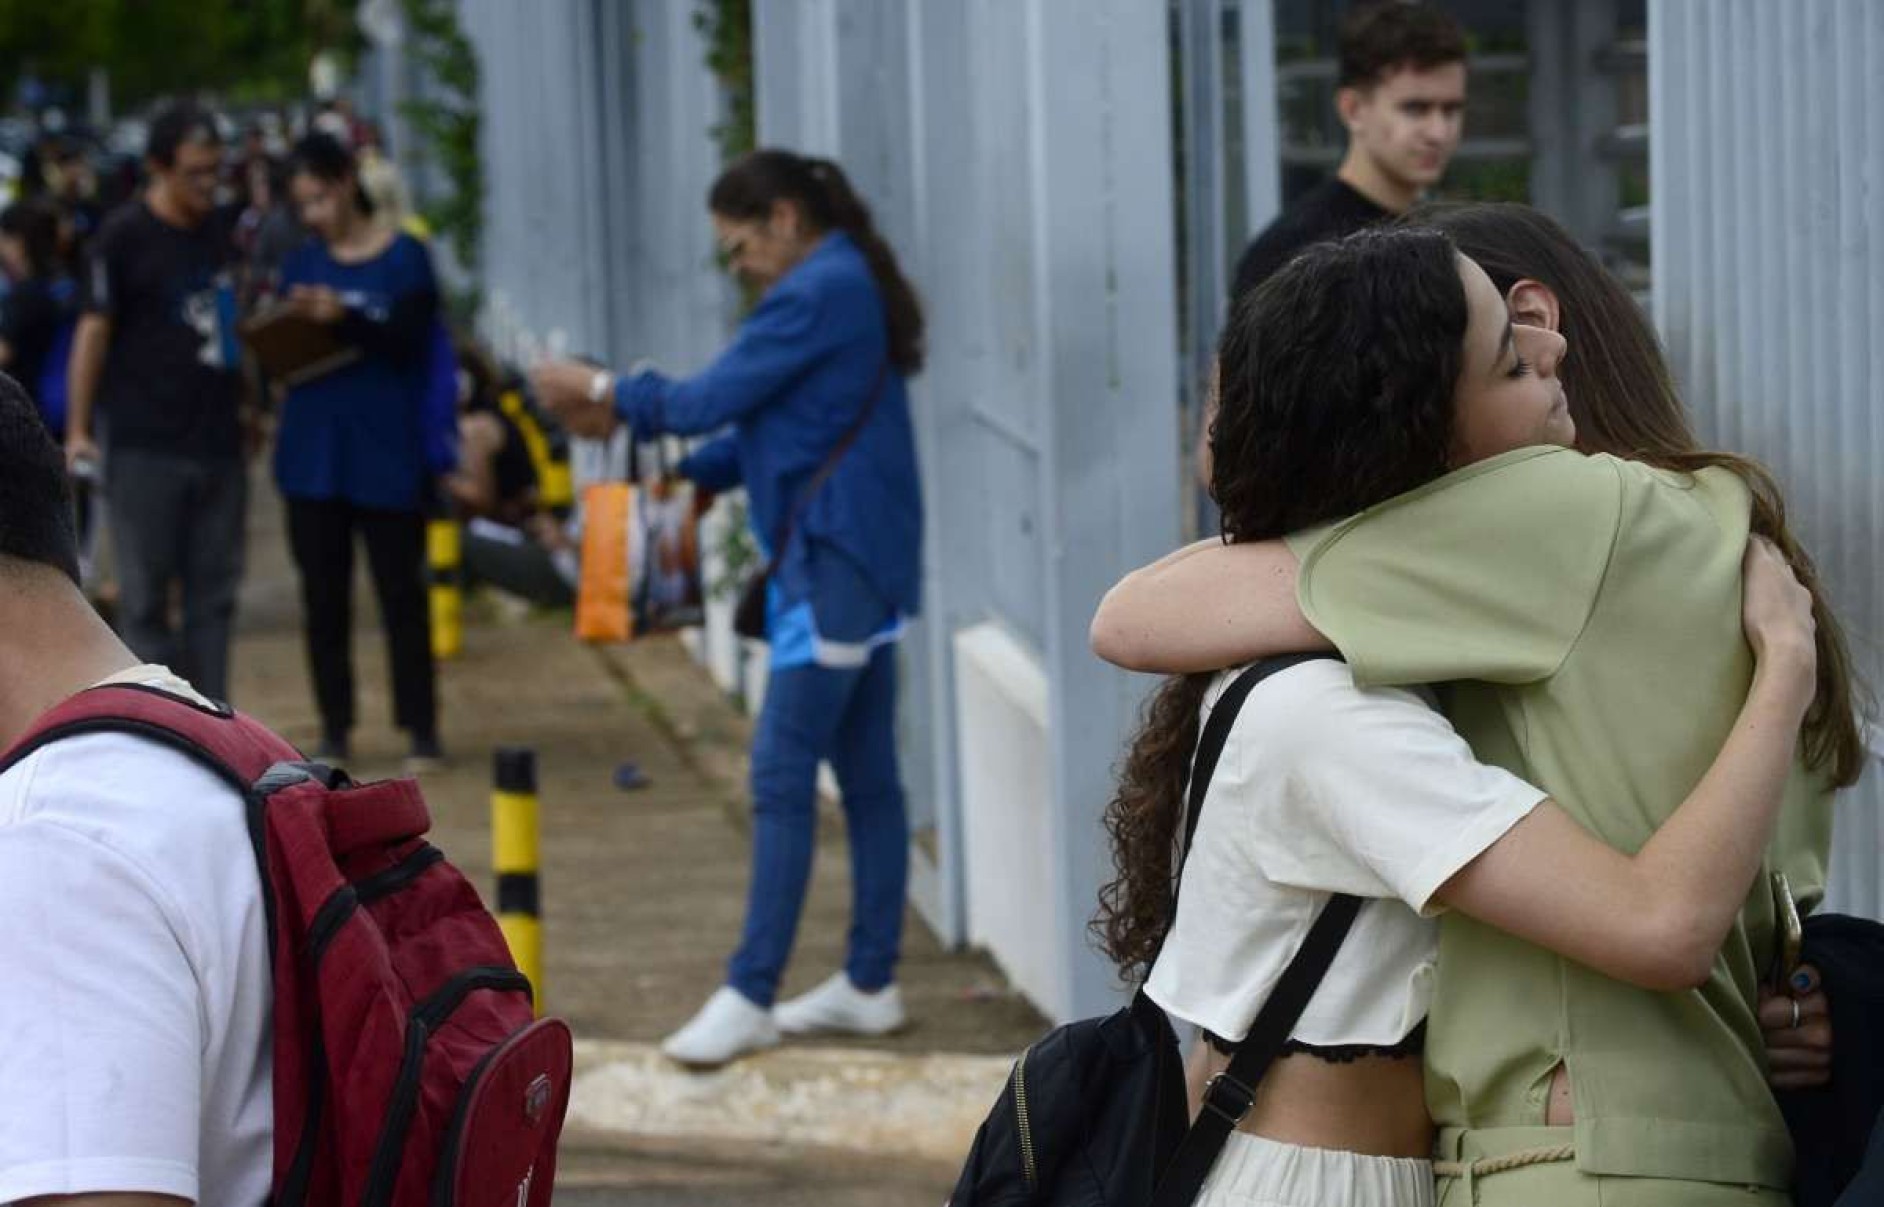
1336, 385
1623, 399
753, 183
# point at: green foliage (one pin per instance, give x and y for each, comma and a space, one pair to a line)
250, 50
726, 26
739, 553
448, 121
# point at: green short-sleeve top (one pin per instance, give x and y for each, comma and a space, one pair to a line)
1585, 612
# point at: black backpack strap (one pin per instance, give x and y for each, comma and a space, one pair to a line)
1217, 732
1231, 1093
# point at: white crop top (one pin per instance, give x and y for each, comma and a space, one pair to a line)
1324, 787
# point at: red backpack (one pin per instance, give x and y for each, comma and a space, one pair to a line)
409, 1067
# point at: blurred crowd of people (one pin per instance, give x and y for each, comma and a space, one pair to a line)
127, 292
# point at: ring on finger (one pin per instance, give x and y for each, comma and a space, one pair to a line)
1795, 1013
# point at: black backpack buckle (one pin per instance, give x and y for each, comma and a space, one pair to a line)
1228, 1098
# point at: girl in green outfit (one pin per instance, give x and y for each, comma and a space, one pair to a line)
1594, 602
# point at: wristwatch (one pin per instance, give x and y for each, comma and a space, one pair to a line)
601, 385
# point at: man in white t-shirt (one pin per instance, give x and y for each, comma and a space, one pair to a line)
134, 978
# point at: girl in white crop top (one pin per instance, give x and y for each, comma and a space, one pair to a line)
1361, 370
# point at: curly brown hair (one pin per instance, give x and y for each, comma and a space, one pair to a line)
1336, 386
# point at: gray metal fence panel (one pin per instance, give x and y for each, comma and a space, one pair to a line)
1768, 168
597, 149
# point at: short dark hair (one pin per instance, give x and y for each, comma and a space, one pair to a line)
1381, 38
330, 161
36, 523
177, 124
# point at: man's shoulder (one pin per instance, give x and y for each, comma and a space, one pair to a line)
127, 792
1330, 210
132, 220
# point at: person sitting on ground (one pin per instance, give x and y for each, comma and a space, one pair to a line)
510, 541
134, 1028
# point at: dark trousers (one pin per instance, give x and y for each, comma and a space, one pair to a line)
520, 567
320, 535
176, 525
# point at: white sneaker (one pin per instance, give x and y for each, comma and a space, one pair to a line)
729, 1025
838, 1005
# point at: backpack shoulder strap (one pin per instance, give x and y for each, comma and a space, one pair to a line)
1231, 1093
1217, 732
219, 739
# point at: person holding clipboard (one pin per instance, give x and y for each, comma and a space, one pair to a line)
351, 337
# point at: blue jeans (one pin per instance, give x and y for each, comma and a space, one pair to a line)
815, 713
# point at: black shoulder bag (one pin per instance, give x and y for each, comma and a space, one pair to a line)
749, 613
1095, 1113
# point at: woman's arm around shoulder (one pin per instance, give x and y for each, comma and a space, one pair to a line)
1207, 606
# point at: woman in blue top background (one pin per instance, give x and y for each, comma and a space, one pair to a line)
827, 349
353, 451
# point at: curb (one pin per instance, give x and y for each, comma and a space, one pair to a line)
923, 1108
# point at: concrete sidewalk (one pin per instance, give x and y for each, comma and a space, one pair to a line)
643, 891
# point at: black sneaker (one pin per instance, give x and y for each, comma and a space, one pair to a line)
427, 755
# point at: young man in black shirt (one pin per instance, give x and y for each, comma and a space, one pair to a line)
1402, 98
155, 345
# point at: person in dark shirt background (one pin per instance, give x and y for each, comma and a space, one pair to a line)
155, 356
1401, 95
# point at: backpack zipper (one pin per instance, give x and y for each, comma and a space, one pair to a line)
328, 920
334, 912
1026, 1127
294, 1186
396, 877
427, 1015
448, 1158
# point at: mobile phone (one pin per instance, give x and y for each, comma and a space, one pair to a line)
1789, 932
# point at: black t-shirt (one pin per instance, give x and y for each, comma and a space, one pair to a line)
1330, 210
170, 381
30, 318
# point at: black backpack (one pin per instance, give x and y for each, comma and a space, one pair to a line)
1095, 1112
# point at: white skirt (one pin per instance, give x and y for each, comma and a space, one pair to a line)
1254, 1172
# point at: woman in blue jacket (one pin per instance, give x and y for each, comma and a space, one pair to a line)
813, 420
354, 453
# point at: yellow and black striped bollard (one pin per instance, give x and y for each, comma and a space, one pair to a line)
444, 558
514, 854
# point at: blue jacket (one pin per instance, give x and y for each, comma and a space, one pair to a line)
793, 381
366, 432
